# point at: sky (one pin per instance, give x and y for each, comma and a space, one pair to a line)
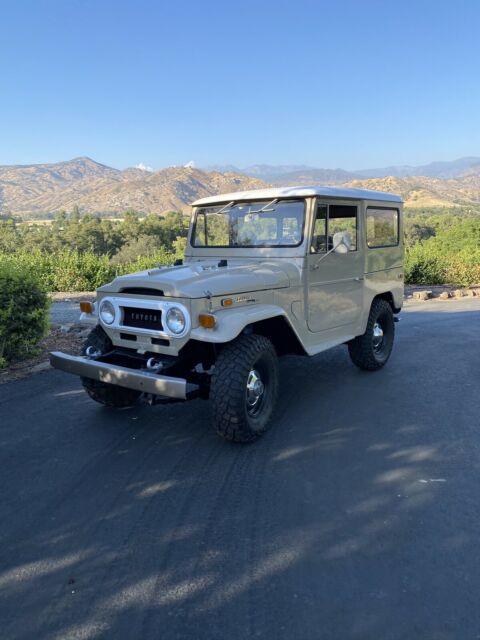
346, 83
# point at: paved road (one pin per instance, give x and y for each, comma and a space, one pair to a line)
65, 312
356, 517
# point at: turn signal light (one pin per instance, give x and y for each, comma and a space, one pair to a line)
207, 320
227, 302
86, 307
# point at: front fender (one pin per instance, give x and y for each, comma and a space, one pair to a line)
231, 322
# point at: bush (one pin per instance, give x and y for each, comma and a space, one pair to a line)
24, 307
423, 266
74, 271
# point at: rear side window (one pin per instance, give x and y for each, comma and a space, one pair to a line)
382, 227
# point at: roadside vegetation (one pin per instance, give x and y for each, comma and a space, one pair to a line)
81, 252
442, 248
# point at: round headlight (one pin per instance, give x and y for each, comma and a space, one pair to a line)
107, 312
175, 320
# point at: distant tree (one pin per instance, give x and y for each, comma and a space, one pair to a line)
141, 247
75, 215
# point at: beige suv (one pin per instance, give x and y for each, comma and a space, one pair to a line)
266, 273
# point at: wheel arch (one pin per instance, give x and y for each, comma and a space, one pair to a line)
388, 297
280, 332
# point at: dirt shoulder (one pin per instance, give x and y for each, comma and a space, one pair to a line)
56, 340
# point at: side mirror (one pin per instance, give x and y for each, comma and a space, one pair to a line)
342, 242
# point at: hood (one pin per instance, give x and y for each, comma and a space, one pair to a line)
194, 279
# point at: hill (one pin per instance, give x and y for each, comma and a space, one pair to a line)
425, 192
45, 188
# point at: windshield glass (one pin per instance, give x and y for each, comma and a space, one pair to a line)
250, 224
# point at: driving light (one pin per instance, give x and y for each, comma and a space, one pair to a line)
107, 312
175, 320
207, 321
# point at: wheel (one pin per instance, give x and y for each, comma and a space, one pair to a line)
371, 350
244, 388
107, 394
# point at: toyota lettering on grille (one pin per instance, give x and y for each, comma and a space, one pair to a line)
142, 318
147, 317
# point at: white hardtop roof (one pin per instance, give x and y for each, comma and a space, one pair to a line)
300, 192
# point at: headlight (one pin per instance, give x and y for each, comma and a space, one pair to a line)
175, 320
107, 312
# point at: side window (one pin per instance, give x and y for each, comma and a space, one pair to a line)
342, 218
382, 227
319, 238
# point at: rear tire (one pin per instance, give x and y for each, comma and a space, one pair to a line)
244, 388
372, 350
109, 395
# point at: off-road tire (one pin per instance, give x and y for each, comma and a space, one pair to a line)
107, 394
362, 350
228, 390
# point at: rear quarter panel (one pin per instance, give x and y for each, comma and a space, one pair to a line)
384, 265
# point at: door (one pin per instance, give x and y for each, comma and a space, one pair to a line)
335, 280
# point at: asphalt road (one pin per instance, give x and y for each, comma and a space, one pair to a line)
356, 516
65, 312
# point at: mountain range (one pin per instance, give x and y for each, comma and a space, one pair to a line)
304, 174
40, 189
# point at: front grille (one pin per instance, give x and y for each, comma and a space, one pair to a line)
142, 318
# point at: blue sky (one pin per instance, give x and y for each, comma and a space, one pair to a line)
348, 83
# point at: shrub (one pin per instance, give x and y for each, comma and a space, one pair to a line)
75, 271
24, 309
464, 269
423, 266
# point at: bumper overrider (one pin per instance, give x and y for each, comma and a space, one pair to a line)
144, 381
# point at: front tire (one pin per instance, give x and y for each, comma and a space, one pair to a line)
244, 388
109, 395
372, 350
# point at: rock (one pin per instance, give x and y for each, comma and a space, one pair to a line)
458, 293
445, 295
471, 293
66, 328
422, 295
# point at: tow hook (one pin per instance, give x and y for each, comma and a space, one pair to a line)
154, 365
92, 352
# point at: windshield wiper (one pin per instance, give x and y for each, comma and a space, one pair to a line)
264, 209
225, 208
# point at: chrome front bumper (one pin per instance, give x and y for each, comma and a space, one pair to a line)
143, 381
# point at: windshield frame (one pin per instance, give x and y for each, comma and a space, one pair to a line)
266, 201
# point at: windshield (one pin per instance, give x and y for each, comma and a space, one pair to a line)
250, 224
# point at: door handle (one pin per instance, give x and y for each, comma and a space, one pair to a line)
359, 279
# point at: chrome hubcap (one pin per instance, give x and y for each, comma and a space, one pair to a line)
377, 336
255, 391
